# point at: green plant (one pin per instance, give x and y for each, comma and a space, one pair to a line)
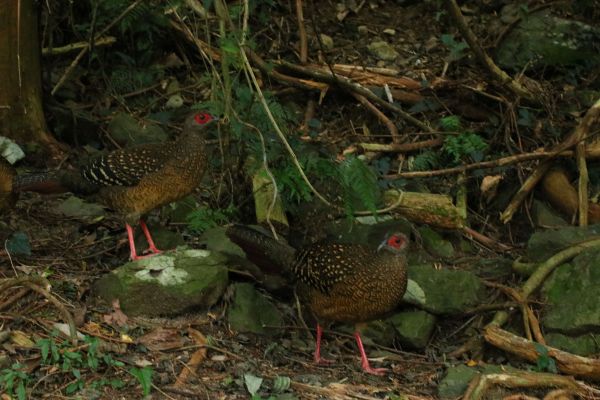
360, 185
144, 377
544, 361
457, 49
466, 144
427, 160
205, 218
14, 380
74, 361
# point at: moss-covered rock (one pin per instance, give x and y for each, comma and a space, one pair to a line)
414, 328
164, 238
545, 244
251, 311
544, 40
583, 345
446, 291
435, 244
458, 377
167, 284
570, 295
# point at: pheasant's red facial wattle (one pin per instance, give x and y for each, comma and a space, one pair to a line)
203, 118
396, 241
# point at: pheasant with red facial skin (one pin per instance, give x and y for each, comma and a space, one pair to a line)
134, 180
349, 283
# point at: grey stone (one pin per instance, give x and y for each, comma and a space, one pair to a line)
167, 284
327, 41
382, 50
545, 217
75, 207
126, 130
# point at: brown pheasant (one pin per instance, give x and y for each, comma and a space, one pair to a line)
134, 180
349, 283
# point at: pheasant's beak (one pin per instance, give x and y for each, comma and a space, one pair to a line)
381, 246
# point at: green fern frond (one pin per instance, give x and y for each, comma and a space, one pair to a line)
450, 123
427, 160
360, 185
467, 144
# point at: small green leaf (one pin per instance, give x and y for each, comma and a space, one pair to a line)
253, 383
144, 377
18, 244
281, 384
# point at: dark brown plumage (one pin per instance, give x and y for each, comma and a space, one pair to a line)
134, 180
7, 174
349, 283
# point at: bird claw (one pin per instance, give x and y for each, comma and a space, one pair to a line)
374, 371
323, 361
151, 251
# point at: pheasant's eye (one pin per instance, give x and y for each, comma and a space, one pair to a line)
395, 241
201, 118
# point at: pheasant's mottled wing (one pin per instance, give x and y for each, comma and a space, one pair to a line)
322, 265
126, 167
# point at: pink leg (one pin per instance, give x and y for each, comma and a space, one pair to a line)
133, 254
318, 358
365, 361
151, 247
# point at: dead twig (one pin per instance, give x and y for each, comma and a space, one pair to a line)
581, 131
302, 33
381, 116
84, 50
40, 285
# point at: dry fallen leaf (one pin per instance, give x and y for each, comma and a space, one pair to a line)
489, 186
117, 317
162, 339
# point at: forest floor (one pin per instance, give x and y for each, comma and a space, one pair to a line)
72, 253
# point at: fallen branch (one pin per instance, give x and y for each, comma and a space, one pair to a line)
522, 379
53, 51
566, 362
402, 148
353, 87
433, 209
499, 162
